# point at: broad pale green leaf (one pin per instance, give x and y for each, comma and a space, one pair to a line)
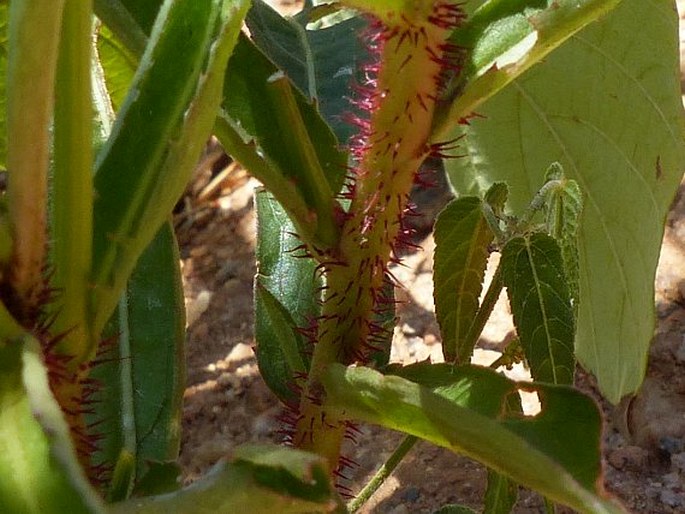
270, 127
286, 298
533, 273
462, 237
143, 373
159, 133
40, 472
615, 125
258, 479
506, 38
556, 452
321, 62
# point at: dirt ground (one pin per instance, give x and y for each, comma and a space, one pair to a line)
227, 403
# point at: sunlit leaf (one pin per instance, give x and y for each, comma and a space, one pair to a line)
615, 124
462, 238
556, 452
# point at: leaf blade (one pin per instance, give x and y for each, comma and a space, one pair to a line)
533, 272
462, 237
620, 120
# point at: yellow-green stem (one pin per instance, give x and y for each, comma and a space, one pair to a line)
34, 33
72, 184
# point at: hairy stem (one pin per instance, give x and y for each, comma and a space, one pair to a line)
393, 142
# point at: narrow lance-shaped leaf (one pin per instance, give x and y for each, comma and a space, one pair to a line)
533, 273
462, 237
41, 474
501, 494
158, 136
286, 298
144, 370
616, 120
556, 452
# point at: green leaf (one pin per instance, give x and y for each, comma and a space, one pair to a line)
159, 133
258, 479
462, 238
274, 132
321, 62
556, 452
617, 119
286, 298
476, 388
38, 463
143, 374
500, 495
505, 39
533, 273
118, 65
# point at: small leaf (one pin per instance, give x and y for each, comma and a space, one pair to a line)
118, 64
556, 452
462, 237
533, 273
286, 298
258, 479
38, 464
563, 209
